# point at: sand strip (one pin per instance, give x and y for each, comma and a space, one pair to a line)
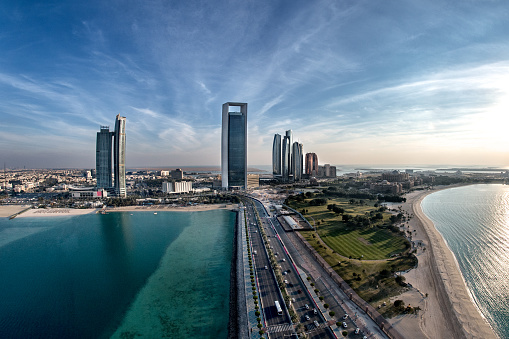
8, 210
449, 311
170, 208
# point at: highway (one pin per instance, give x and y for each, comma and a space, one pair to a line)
280, 326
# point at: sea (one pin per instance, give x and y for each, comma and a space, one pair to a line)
118, 275
474, 221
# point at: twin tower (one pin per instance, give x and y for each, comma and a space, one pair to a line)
107, 140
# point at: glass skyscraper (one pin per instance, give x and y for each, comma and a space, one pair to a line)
297, 161
234, 146
276, 155
119, 156
103, 158
286, 159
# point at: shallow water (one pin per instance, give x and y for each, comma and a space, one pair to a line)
77, 277
474, 221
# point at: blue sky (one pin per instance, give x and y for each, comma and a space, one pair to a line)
358, 82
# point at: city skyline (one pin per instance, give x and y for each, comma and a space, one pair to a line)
363, 83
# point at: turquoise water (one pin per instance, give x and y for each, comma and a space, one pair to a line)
474, 220
84, 276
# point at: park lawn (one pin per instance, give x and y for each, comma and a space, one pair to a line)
363, 275
371, 243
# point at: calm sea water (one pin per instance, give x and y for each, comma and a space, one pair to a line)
474, 220
96, 276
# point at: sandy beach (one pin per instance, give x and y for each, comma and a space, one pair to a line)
8, 210
447, 308
170, 208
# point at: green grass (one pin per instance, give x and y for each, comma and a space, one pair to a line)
337, 243
371, 243
363, 275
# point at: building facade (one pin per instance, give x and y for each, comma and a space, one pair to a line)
276, 155
234, 146
177, 174
297, 161
311, 164
106, 141
177, 187
286, 157
103, 158
119, 156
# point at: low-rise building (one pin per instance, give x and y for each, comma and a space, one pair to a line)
177, 187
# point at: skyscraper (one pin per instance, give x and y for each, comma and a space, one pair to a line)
286, 156
297, 161
119, 156
311, 164
276, 155
234, 146
103, 158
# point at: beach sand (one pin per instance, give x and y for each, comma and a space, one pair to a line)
8, 210
170, 208
447, 308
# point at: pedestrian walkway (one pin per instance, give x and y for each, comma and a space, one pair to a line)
279, 328
251, 316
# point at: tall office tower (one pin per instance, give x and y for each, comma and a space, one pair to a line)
119, 156
234, 146
297, 159
103, 158
311, 164
276, 155
290, 161
286, 158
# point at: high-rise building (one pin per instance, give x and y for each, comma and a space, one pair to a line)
297, 161
119, 156
276, 155
103, 158
311, 164
234, 146
286, 156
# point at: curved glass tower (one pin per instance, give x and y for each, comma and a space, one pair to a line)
119, 156
276, 155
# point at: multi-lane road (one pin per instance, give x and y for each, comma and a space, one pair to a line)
280, 326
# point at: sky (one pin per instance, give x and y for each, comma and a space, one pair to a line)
358, 82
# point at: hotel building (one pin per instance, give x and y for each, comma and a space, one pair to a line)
103, 158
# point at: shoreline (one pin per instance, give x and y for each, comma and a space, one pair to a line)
9, 210
449, 308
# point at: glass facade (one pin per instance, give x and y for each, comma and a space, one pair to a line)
234, 146
119, 156
286, 158
276, 155
236, 150
103, 158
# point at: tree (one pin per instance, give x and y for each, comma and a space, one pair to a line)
399, 303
